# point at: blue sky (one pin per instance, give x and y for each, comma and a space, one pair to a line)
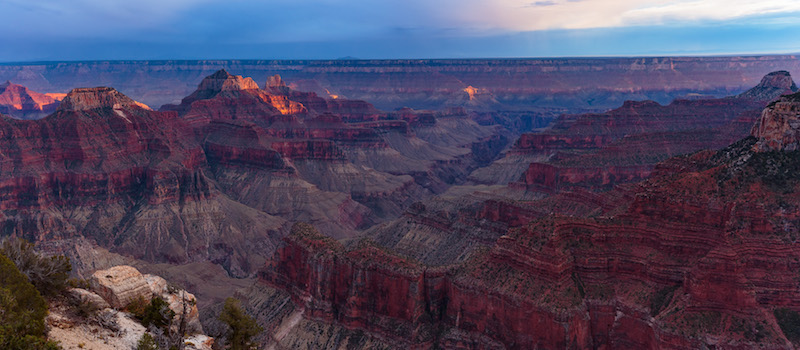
324, 29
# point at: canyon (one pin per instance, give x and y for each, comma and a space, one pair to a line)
499, 84
701, 254
475, 204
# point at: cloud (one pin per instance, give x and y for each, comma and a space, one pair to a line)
39, 25
542, 3
572, 14
707, 10
319, 19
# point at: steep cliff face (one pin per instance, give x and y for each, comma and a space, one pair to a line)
350, 164
350, 110
20, 102
779, 126
701, 254
225, 96
126, 177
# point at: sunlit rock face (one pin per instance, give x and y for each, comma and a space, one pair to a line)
19, 102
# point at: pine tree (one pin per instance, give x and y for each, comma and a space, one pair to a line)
242, 327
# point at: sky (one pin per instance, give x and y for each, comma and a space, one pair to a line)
55, 30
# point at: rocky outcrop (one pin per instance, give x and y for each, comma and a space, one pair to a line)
779, 126
222, 81
103, 321
276, 84
80, 295
183, 303
20, 102
121, 285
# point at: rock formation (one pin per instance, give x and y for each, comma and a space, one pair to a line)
566, 252
382, 161
138, 176
772, 86
599, 150
103, 324
700, 254
120, 285
86, 99
20, 102
779, 126
525, 84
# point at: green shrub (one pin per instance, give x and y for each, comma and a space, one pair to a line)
157, 313
22, 311
85, 308
48, 274
79, 283
242, 327
136, 307
147, 342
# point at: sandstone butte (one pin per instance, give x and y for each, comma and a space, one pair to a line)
19, 101
701, 254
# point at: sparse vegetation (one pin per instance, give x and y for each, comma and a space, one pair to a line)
78, 283
22, 311
157, 313
48, 274
84, 307
147, 342
243, 328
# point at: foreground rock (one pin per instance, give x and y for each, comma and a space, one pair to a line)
94, 319
121, 285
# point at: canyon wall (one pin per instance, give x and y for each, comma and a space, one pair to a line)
390, 84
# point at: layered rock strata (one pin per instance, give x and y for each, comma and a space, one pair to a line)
701, 254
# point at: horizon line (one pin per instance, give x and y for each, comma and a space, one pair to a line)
354, 59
